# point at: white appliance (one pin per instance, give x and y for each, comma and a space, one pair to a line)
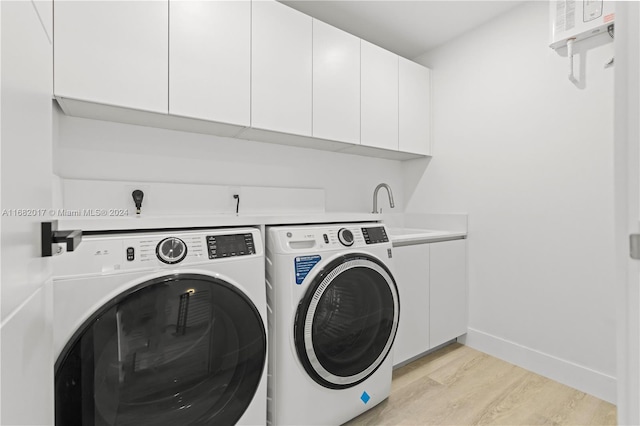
576, 20
333, 316
161, 328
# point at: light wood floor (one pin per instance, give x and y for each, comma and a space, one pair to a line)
457, 385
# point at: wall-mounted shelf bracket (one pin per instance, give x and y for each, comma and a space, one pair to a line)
51, 236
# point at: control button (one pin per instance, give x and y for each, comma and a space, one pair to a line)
131, 254
346, 237
171, 250
326, 238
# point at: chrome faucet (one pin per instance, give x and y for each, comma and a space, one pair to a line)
375, 197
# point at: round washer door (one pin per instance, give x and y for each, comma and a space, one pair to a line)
347, 320
183, 349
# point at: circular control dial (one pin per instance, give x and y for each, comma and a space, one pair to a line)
171, 250
346, 237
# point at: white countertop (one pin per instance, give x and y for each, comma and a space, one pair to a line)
410, 236
399, 236
162, 222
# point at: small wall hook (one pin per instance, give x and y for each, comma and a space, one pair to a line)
237, 198
138, 195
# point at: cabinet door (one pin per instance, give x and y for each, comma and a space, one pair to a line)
210, 60
336, 84
379, 98
412, 278
414, 107
448, 284
281, 69
112, 52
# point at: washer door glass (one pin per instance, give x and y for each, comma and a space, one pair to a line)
185, 349
346, 323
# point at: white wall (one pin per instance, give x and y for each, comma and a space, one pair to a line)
92, 149
627, 187
26, 375
529, 156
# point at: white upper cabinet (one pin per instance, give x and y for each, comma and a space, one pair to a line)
281, 86
414, 107
336, 84
257, 70
112, 52
210, 60
379, 100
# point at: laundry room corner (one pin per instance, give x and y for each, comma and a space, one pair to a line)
533, 168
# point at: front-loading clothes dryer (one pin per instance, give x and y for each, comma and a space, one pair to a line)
161, 328
333, 316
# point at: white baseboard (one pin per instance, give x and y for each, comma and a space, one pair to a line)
577, 376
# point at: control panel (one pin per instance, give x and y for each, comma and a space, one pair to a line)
125, 252
345, 236
375, 235
230, 245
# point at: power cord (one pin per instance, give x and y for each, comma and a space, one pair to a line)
237, 198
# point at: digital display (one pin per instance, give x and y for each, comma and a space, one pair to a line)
375, 235
230, 245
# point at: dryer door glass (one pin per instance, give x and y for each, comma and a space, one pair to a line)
185, 349
347, 321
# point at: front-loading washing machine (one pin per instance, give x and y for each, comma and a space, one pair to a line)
333, 315
161, 328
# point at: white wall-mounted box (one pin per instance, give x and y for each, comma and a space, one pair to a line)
579, 19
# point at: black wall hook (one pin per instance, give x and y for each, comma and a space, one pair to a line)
138, 195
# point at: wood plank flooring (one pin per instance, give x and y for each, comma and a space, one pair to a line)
457, 385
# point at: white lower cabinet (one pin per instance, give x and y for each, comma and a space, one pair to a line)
412, 279
448, 291
432, 284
